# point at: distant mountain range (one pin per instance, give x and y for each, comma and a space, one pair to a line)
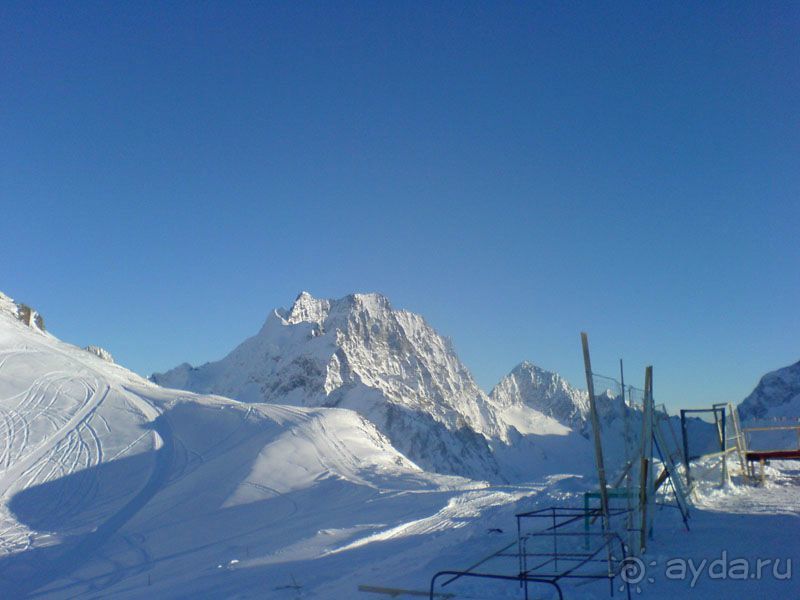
355, 419
394, 369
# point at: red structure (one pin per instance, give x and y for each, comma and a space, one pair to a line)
758, 456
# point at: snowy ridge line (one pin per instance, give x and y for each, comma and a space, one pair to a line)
395, 370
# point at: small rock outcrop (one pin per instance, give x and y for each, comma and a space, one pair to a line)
100, 353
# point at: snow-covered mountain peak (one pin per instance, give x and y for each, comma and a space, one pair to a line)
544, 391
538, 374
358, 352
308, 309
777, 395
394, 369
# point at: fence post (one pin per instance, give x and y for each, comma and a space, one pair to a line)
686, 451
598, 447
645, 478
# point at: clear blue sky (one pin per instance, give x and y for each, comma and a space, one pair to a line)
170, 172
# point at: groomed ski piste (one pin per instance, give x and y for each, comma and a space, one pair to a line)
114, 487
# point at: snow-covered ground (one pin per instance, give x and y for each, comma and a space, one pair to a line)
111, 486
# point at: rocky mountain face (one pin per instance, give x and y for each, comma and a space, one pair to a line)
358, 352
101, 353
22, 312
394, 369
545, 392
777, 395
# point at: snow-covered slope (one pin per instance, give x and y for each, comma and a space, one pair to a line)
358, 352
64, 415
777, 395
112, 486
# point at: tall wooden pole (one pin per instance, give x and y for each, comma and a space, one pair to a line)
598, 447
651, 490
647, 456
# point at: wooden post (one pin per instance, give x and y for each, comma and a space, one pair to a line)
724, 449
737, 438
651, 408
643, 505
662, 477
685, 437
598, 456
645, 493
598, 447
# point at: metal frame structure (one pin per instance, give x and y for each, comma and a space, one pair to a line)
539, 565
664, 419
718, 410
747, 457
670, 473
562, 559
519, 578
636, 480
635, 468
739, 441
764, 456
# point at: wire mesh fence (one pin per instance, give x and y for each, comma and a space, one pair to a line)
620, 412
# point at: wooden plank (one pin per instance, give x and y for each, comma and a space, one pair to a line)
598, 447
651, 493
782, 427
662, 477
739, 440
759, 455
645, 493
643, 505
724, 446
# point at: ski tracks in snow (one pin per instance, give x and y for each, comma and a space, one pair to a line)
50, 436
456, 513
79, 441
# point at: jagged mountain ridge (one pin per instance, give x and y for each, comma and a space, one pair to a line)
393, 368
777, 395
358, 352
544, 391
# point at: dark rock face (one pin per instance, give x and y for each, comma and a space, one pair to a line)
777, 395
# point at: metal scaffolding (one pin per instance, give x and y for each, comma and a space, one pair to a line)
552, 546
